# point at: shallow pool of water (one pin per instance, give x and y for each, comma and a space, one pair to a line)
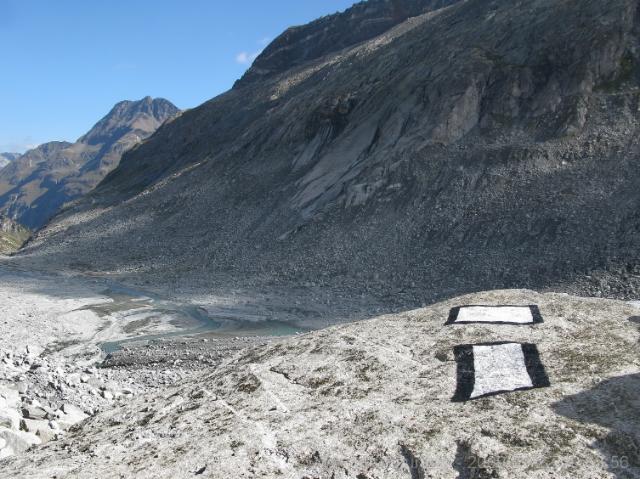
187, 318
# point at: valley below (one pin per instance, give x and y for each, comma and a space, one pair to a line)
73, 345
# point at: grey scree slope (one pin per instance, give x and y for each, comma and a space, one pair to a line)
489, 144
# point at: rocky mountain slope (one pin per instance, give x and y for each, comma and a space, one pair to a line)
6, 158
34, 187
486, 144
332, 33
372, 400
12, 235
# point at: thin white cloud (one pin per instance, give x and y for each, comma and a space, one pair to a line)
18, 146
247, 57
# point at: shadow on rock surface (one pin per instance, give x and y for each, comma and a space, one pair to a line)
469, 466
614, 404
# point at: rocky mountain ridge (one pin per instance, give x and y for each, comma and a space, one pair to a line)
35, 186
486, 144
361, 22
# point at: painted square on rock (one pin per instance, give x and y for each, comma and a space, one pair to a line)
494, 368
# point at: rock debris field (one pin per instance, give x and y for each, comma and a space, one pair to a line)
54, 371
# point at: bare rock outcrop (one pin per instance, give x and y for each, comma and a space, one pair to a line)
374, 400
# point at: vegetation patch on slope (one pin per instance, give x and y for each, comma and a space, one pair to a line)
12, 235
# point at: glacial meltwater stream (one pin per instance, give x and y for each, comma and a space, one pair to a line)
144, 316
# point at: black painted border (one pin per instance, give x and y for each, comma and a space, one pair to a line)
535, 314
466, 374
535, 368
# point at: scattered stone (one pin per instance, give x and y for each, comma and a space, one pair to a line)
32, 425
19, 441
46, 435
106, 394
9, 397
10, 418
72, 411
34, 412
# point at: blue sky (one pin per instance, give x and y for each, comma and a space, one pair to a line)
65, 63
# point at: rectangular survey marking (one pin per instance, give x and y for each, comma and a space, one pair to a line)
495, 368
495, 315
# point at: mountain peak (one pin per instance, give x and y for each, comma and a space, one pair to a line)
145, 114
35, 186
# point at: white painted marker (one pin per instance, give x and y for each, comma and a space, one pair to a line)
494, 368
635, 304
495, 315
499, 368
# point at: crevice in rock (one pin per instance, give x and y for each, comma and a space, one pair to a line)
281, 373
287, 377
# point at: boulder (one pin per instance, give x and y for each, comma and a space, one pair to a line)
33, 425
46, 435
68, 415
18, 441
34, 412
9, 396
10, 418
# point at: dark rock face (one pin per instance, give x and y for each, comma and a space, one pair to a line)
487, 144
35, 186
332, 33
